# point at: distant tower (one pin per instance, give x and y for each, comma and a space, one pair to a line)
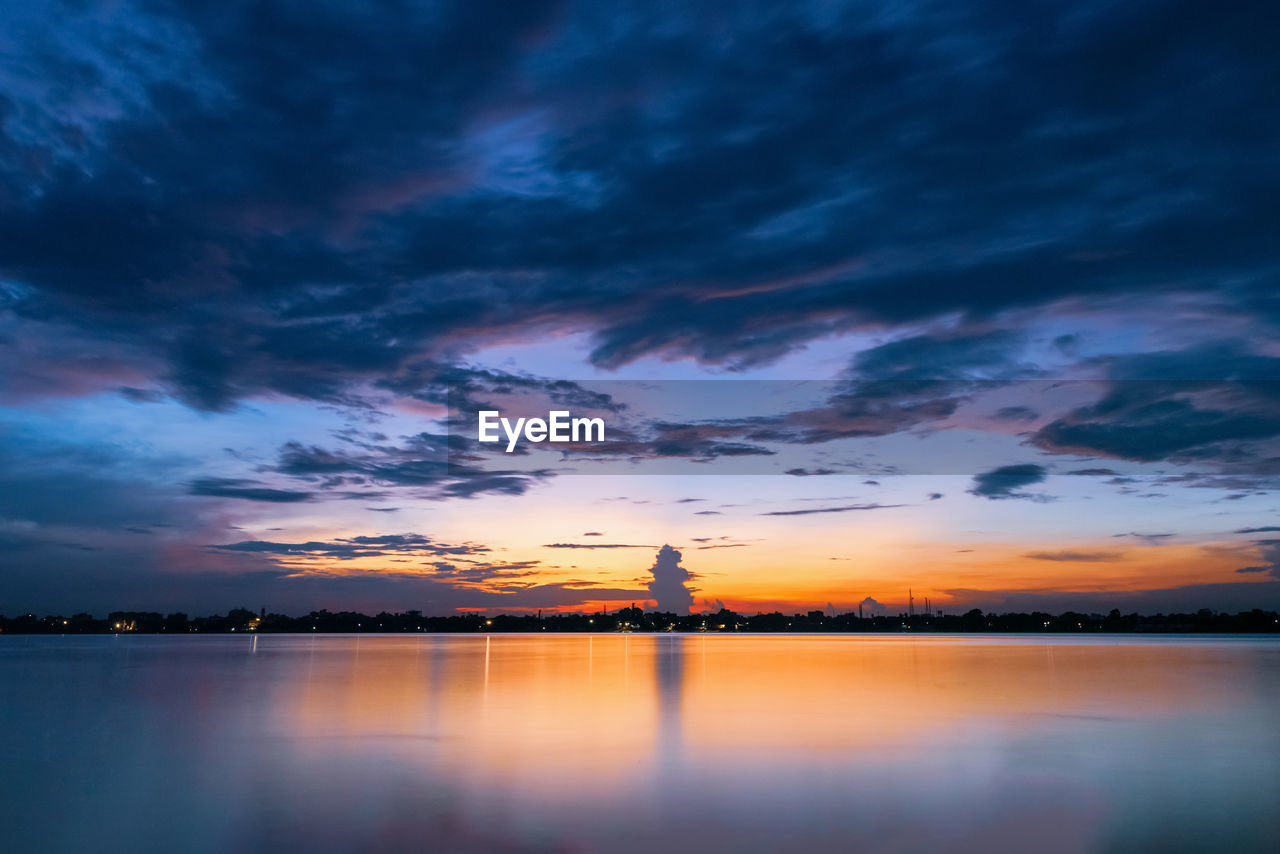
911, 603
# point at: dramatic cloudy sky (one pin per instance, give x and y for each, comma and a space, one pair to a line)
1025, 253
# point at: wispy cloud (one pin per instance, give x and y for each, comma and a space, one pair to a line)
847, 508
1076, 557
596, 546
222, 487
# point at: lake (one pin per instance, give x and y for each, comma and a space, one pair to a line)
637, 743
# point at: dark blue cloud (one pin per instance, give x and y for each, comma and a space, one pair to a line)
1218, 403
295, 198
421, 463
1007, 481
224, 487
845, 508
348, 548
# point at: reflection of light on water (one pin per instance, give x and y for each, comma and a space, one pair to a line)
669, 681
786, 696
549, 743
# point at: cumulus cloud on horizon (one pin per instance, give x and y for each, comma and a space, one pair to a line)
670, 584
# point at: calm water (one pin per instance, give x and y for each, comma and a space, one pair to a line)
639, 744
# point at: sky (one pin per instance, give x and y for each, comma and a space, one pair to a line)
974, 302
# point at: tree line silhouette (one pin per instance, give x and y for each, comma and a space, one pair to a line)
635, 619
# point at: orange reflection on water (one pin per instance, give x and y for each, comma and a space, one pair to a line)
630, 744
508, 703
603, 703
838, 693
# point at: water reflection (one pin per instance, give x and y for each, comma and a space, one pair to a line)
668, 680
636, 743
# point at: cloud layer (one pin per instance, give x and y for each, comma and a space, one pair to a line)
211, 213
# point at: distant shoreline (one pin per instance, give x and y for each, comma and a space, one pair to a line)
637, 621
